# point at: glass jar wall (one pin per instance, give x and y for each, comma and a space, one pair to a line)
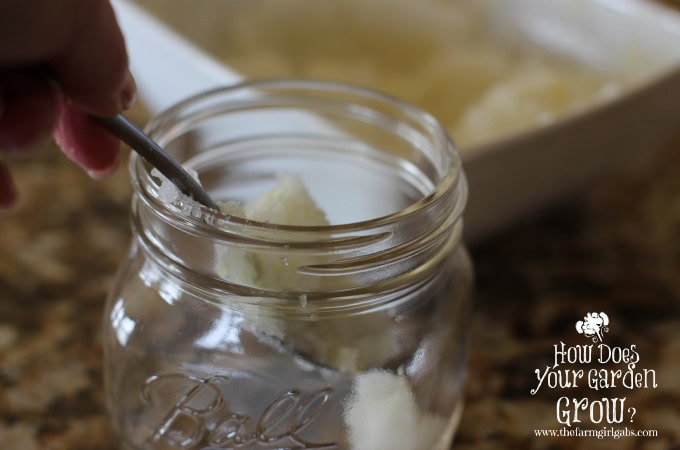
227, 332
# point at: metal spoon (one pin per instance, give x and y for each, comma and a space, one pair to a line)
140, 142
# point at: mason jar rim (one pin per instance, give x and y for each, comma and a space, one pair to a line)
383, 255
453, 179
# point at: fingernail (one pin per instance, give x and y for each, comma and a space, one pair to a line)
129, 93
105, 173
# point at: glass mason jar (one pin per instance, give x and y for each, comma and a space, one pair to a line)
346, 336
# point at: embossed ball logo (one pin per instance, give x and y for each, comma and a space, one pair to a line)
189, 413
593, 325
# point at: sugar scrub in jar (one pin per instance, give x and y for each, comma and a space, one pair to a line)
326, 306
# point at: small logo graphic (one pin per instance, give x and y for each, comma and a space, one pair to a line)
593, 325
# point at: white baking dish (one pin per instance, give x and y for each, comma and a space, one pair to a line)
519, 175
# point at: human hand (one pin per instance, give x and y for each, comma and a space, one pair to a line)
79, 44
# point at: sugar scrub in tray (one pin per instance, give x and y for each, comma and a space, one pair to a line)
377, 356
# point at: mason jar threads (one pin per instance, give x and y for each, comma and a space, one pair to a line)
229, 330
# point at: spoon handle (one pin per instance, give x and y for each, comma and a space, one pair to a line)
156, 156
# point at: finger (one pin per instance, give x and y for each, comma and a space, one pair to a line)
28, 112
34, 30
81, 43
93, 67
8, 194
85, 142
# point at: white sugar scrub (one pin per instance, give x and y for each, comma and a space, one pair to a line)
167, 191
288, 203
434, 54
382, 413
349, 346
531, 97
170, 194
